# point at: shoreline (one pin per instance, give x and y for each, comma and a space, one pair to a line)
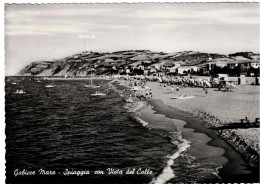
234, 170
230, 137
216, 114
227, 171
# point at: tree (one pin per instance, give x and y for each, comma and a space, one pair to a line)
236, 71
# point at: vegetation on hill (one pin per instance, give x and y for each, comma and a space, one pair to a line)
118, 62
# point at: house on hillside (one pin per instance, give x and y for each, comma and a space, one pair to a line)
211, 65
152, 70
110, 61
172, 69
146, 72
232, 65
253, 64
156, 66
95, 66
186, 69
178, 64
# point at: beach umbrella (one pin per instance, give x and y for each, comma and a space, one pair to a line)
207, 83
230, 86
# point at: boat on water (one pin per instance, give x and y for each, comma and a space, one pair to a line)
91, 82
91, 86
50, 86
38, 81
98, 93
18, 91
129, 100
14, 83
183, 97
134, 89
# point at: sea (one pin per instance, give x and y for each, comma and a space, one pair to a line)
64, 134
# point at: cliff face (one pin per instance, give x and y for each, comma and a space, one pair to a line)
108, 63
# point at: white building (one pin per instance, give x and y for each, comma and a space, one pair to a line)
186, 69
253, 64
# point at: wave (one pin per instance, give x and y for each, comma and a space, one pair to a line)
216, 172
139, 120
167, 172
138, 106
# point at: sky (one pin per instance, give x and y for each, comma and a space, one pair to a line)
54, 31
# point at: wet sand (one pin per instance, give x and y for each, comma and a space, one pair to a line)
228, 107
235, 167
205, 144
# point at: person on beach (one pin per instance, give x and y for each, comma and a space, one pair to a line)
177, 88
172, 89
219, 87
204, 88
206, 91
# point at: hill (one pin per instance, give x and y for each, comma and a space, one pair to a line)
107, 63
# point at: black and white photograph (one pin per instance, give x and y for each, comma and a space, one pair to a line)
132, 93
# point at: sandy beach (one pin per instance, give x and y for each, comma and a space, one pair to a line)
219, 108
203, 113
226, 106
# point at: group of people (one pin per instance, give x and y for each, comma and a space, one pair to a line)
143, 93
177, 88
148, 94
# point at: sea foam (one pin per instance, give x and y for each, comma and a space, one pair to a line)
139, 120
167, 172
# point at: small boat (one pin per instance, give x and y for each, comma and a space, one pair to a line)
91, 86
38, 81
98, 93
14, 83
19, 92
50, 86
129, 100
91, 82
183, 97
134, 89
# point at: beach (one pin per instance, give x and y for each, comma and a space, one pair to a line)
213, 110
153, 131
219, 108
